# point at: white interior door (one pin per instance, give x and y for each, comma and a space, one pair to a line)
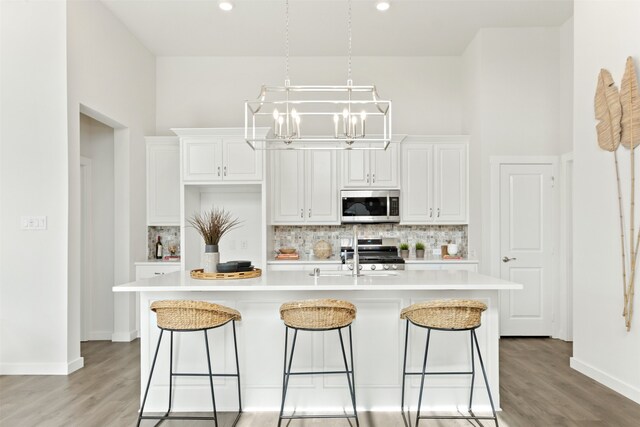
526, 248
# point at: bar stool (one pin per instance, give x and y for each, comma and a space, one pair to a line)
318, 315
446, 315
192, 316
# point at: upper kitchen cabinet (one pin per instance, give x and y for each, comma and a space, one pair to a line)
374, 168
304, 189
163, 180
218, 155
435, 180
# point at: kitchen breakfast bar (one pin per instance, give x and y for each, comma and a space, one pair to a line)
378, 341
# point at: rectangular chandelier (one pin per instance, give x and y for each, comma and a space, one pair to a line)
318, 117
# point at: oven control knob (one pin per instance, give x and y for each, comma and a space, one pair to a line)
386, 266
395, 267
350, 266
373, 266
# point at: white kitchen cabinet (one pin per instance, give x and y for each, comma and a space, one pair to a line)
304, 187
218, 155
434, 181
304, 267
163, 181
374, 168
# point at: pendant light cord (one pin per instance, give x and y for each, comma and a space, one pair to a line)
286, 48
349, 81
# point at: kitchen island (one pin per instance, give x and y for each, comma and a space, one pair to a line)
378, 339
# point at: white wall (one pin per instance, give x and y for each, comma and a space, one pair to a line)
33, 181
513, 105
605, 33
96, 144
111, 78
210, 91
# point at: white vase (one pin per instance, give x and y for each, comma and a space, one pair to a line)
210, 259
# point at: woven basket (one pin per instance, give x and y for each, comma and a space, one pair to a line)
318, 314
185, 315
445, 314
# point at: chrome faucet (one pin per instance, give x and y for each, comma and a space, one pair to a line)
356, 257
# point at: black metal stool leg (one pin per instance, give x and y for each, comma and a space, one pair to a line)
235, 346
349, 376
213, 397
153, 365
473, 372
484, 374
353, 376
424, 369
287, 371
170, 372
404, 364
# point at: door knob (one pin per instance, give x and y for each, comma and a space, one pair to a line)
507, 259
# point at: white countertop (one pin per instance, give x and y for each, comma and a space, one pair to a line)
307, 259
157, 261
439, 260
301, 281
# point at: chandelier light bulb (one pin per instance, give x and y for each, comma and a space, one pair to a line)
275, 114
383, 5
225, 5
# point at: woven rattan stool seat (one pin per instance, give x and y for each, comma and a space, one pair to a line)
189, 315
445, 314
318, 314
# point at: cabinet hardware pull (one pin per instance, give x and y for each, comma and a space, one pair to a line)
301, 213
430, 212
309, 213
218, 170
225, 171
374, 178
367, 178
438, 212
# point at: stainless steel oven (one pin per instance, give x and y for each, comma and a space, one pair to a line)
370, 206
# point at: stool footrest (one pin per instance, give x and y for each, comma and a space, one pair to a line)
444, 417
175, 417
181, 374
299, 417
439, 373
319, 373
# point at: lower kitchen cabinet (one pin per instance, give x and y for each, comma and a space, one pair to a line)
325, 266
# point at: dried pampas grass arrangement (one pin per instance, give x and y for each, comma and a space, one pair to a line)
214, 224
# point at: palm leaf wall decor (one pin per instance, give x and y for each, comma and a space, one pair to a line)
609, 113
630, 138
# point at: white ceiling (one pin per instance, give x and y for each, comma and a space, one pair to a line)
319, 27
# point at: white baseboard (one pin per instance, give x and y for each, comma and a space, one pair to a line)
41, 368
100, 335
603, 378
124, 336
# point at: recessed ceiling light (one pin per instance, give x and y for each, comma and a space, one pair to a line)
225, 5
383, 5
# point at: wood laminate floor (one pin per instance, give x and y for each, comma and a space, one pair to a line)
538, 389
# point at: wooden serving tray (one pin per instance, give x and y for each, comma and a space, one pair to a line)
200, 274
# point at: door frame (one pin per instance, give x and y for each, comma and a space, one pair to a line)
496, 163
564, 328
86, 221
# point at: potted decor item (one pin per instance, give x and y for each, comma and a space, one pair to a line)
419, 250
212, 225
404, 250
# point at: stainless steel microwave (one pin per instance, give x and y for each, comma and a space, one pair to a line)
370, 206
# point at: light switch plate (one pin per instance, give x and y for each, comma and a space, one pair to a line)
33, 223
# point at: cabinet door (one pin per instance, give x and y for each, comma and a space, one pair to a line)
241, 162
384, 167
417, 183
163, 182
321, 191
450, 183
202, 159
287, 187
356, 170
148, 271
